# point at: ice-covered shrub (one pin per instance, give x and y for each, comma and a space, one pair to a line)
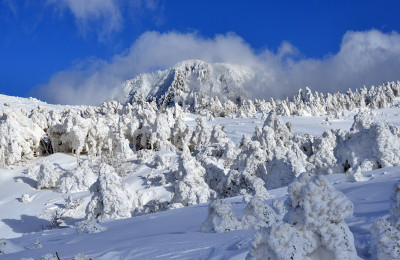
220, 218
369, 146
48, 176
180, 135
161, 134
323, 157
314, 221
257, 214
110, 199
247, 171
88, 226
285, 165
385, 241
285, 153
282, 241
79, 179
19, 137
190, 187
202, 134
75, 131
36, 244
25, 198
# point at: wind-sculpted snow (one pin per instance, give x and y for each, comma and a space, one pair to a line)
313, 225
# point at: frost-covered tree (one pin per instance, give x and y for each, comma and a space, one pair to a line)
202, 134
20, 137
314, 224
385, 240
110, 199
220, 218
79, 179
370, 145
180, 135
217, 157
161, 134
247, 171
257, 214
47, 177
285, 153
323, 157
190, 187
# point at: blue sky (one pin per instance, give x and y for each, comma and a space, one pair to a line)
69, 51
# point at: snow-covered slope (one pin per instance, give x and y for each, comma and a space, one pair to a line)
68, 173
177, 233
191, 79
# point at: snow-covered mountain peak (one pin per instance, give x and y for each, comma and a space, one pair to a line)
189, 80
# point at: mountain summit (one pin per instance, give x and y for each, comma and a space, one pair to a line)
189, 80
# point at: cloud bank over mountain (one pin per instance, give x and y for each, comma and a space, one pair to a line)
364, 58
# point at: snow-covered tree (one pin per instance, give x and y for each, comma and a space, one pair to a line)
370, 145
79, 179
19, 137
190, 187
314, 224
202, 134
385, 241
247, 171
220, 218
110, 199
257, 214
47, 177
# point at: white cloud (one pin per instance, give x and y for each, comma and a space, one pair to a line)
103, 16
364, 58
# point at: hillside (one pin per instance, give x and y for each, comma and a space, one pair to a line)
140, 181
